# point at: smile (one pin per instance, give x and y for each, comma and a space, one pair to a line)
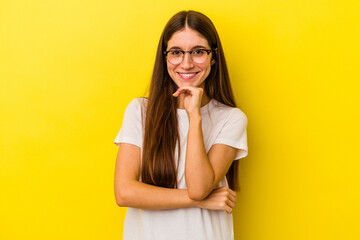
187, 76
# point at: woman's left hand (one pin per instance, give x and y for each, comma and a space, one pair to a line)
191, 98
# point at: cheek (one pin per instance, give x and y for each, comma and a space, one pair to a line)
170, 69
206, 68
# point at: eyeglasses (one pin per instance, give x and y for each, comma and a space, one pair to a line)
197, 55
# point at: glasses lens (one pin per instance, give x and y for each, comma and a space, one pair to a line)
175, 57
199, 56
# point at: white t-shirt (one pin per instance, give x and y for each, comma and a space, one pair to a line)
220, 124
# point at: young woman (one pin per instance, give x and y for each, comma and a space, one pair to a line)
175, 168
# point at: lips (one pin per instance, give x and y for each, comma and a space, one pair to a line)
187, 76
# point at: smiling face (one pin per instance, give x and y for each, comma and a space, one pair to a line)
189, 73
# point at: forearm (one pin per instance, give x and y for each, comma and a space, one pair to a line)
141, 195
199, 173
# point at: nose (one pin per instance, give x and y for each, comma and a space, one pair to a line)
187, 62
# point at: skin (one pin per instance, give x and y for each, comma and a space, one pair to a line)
203, 171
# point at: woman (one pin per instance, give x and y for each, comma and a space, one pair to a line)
177, 145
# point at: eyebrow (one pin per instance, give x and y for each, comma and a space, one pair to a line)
195, 47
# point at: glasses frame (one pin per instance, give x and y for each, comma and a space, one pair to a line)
208, 51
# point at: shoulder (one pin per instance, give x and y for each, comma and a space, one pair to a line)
136, 109
227, 112
138, 103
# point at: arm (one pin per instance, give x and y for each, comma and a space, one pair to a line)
130, 192
203, 171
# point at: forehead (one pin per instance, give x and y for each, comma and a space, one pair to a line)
186, 39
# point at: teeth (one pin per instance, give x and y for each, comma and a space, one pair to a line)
187, 75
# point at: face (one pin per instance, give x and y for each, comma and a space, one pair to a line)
189, 73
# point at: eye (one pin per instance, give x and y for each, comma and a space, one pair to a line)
198, 52
175, 52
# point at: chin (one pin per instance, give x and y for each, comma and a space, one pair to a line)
190, 84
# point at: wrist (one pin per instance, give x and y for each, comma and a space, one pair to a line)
192, 202
194, 117
197, 203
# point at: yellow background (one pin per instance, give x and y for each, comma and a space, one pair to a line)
69, 68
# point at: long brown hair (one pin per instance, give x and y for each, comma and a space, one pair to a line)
161, 123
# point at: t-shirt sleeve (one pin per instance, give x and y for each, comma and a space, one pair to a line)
131, 128
233, 132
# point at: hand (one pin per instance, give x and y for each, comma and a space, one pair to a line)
191, 98
222, 198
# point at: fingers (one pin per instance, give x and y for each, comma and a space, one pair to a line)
177, 93
222, 198
228, 210
227, 192
230, 203
232, 195
187, 90
228, 197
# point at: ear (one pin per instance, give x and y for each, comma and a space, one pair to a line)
213, 60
